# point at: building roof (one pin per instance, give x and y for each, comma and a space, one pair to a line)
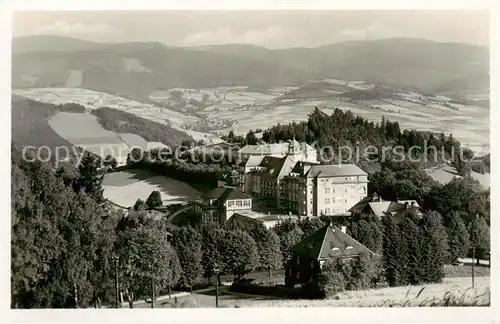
294, 144
252, 161
329, 242
265, 149
274, 148
335, 170
277, 167
223, 194
361, 205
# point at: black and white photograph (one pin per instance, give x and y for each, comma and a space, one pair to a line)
168, 159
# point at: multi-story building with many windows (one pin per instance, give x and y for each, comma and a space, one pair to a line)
306, 188
253, 156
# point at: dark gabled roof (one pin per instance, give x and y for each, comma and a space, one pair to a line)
223, 194
329, 242
361, 205
335, 170
215, 193
277, 167
301, 167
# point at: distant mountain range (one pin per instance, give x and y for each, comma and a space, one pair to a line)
135, 70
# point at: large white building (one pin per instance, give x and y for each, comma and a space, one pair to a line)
252, 156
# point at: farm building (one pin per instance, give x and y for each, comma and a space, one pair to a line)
327, 243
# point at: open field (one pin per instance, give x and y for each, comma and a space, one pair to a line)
446, 174
375, 297
251, 109
83, 129
124, 188
93, 100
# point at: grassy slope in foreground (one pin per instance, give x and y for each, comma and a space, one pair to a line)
395, 296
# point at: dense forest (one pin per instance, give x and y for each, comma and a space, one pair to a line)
30, 124
123, 122
344, 129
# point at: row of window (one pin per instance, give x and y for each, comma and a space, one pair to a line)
239, 203
345, 178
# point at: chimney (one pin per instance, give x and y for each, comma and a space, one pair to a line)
375, 196
406, 205
379, 198
343, 229
268, 213
289, 213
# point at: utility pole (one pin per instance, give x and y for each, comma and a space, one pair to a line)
216, 271
473, 247
76, 295
152, 293
117, 289
473, 250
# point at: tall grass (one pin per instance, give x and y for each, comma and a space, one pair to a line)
449, 299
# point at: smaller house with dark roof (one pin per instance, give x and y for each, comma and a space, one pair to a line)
219, 204
327, 243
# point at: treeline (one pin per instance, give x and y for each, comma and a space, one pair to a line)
345, 129
72, 107
193, 167
123, 122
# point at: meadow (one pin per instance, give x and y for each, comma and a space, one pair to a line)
84, 130
125, 187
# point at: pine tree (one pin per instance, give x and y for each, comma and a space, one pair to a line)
458, 238
480, 237
394, 253
90, 177
434, 244
411, 244
154, 200
140, 205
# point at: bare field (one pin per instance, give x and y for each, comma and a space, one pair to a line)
446, 174
85, 131
93, 100
124, 188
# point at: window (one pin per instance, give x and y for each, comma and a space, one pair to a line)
239, 203
335, 249
346, 200
349, 247
246, 202
327, 190
230, 203
327, 200
327, 211
345, 190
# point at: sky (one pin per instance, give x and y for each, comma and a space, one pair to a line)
271, 29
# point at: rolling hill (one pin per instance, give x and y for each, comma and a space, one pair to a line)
135, 70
